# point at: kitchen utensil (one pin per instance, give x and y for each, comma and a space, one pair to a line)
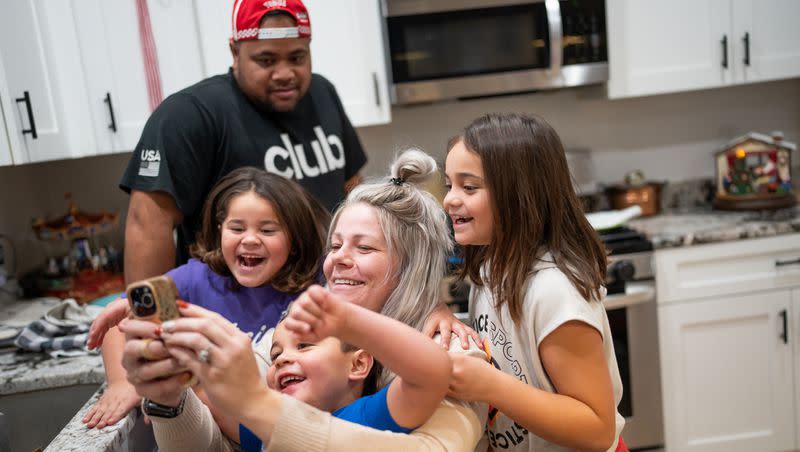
646, 195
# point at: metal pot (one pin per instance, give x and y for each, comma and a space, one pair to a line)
646, 195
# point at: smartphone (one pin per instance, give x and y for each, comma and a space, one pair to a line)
154, 299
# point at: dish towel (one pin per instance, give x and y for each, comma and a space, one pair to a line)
64, 327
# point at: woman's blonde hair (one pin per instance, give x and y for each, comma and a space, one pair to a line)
415, 227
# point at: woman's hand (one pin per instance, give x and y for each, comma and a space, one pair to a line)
442, 320
471, 378
219, 354
151, 369
113, 313
317, 314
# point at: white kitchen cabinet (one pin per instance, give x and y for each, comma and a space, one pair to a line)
6, 155
794, 335
728, 373
660, 46
346, 47
773, 39
115, 66
44, 96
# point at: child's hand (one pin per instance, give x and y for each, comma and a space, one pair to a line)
317, 314
113, 313
471, 378
442, 320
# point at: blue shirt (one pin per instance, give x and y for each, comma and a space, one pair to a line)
370, 411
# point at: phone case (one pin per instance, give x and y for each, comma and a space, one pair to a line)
165, 294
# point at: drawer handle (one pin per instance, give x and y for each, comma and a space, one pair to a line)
789, 262
785, 333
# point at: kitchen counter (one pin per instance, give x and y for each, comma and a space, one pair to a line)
129, 434
696, 227
26, 372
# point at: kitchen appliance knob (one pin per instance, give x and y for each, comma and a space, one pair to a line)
622, 270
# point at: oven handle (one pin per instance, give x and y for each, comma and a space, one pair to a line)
553, 8
637, 292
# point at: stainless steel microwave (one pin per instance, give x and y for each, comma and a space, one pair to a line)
446, 49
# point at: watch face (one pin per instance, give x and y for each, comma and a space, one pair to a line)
143, 301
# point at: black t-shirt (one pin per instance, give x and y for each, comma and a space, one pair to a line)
198, 135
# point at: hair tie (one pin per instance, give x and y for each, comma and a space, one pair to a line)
397, 181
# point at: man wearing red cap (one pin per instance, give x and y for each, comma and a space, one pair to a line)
268, 111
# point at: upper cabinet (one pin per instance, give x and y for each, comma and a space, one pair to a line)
42, 89
769, 39
346, 48
661, 47
115, 65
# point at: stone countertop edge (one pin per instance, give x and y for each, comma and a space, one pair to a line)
671, 230
51, 373
75, 436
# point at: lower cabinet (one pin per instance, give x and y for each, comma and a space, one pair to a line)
730, 357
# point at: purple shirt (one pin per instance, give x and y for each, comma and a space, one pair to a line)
253, 309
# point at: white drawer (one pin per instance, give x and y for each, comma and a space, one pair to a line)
727, 268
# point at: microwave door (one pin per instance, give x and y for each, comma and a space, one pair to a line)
500, 47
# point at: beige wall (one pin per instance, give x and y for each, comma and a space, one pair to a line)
669, 137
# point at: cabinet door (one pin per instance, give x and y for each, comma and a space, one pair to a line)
794, 335
6, 148
115, 71
175, 34
658, 47
38, 44
769, 31
347, 48
727, 375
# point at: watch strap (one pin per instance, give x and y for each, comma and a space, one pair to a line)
154, 409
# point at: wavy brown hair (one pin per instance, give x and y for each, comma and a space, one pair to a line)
302, 217
535, 208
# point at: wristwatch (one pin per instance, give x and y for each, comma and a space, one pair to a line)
154, 409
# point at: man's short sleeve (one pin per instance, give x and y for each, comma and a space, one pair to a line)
175, 153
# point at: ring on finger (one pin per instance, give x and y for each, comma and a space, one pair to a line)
144, 351
205, 355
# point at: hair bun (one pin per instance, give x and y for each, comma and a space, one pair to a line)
413, 166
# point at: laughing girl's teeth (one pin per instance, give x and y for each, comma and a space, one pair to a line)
250, 261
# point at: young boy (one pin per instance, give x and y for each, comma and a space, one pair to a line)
338, 374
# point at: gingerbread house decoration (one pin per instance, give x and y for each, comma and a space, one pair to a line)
753, 172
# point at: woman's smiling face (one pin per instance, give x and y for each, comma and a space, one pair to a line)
359, 266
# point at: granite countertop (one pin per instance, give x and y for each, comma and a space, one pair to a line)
694, 227
76, 437
24, 372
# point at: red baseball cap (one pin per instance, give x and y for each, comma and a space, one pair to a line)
247, 15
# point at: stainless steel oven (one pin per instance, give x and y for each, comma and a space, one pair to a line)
631, 309
440, 49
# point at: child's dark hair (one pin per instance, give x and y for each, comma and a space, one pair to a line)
304, 220
535, 207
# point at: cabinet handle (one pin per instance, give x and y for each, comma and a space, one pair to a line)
113, 125
785, 333
376, 89
724, 43
746, 40
789, 262
26, 97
